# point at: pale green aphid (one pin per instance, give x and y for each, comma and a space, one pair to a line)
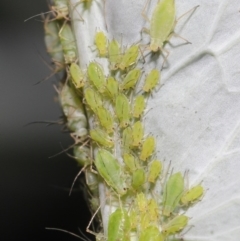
110, 170
74, 111
130, 162
112, 88
162, 24
119, 226
130, 57
138, 178
52, 42
122, 109
82, 155
105, 118
151, 81
60, 8
154, 170
93, 99
68, 43
101, 43
153, 210
148, 148
130, 80
126, 139
151, 233
114, 54
138, 106
96, 76
77, 75
101, 137
192, 195
175, 225
137, 134
172, 193
142, 202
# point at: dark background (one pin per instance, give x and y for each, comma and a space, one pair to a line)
33, 188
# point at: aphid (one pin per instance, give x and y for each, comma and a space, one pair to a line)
68, 43
74, 111
151, 233
126, 139
119, 226
130, 80
122, 109
137, 134
129, 58
138, 106
112, 88
77, 75
192, 195
154, 170
92, 181
130, 162
93, 99
142, 202
96, 76
151, 80
162, 24
53, 44
114, 54
138, 178
110, 170
106, 118
82, 155
60, 8
175, 225
101, 43
101, 137
172, 193
148, 148
153, 210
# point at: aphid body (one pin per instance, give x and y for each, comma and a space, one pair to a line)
148, 148
101, 43
130, 80
138, 106
101, 137
77, 75
192, 195
175, 225
151, 233
154, 170
106, 119
93, 99
137, 134
114, 54
138, 178
151, 80
111, 88
110, 170
129, 58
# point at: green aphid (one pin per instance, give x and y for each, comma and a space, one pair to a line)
130, 80
151, 81
77, 75
96, 76
82, 155
151, 233
127, 139
153, 211
130, 57
154, 170
192, 195
175, 225
162, 24
131, 162
138, 179
110, 170
102, 138
101, 43
93, 99
139, 106
148, 148
137, 134
112, 88
119, 226
123, 111
105, 118
68, 43
53, 44
114, 53
142, 202
172, 193
60, 9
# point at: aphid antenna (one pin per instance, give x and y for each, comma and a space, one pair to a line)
36, 15
84, 235
48, 123
63, 151
65, 231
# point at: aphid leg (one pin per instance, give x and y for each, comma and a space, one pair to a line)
143, 13
65, 231
192, 9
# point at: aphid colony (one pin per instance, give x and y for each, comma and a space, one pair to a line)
125, 156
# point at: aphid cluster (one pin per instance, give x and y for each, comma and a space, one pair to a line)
125, 155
